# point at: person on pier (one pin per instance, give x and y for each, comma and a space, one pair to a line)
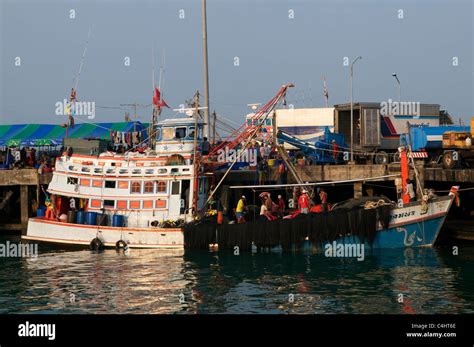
303, 202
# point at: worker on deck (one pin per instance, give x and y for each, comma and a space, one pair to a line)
303, 202
281, 206
241, 209
410, 189
205, 146
323, 196
335, 150
281, 172
262, 171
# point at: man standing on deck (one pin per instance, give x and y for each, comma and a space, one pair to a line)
323, 196
335, 151
303, 202
241, 209
205, 147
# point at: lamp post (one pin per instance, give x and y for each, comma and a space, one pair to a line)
352, 109
399, 88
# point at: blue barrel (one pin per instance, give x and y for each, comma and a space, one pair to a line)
41, 211
80, 217
117, 220
91, 218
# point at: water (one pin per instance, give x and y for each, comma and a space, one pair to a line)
152, 281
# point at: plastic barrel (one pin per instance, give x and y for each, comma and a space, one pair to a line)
80, 217
118, 220
71, 216
101, 219
91, 218
41, 211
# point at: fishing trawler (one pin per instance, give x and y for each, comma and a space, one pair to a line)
126, 200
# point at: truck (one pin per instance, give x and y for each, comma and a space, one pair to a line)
449, 146
377, 128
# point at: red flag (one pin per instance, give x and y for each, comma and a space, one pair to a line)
157, 99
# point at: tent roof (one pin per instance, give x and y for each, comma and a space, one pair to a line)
49, 134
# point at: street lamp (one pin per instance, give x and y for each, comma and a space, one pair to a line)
399, 88
352, 109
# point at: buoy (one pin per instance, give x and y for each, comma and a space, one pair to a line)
121, 244
96, 244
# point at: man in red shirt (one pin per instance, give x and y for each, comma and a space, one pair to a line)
335, 150
303, 202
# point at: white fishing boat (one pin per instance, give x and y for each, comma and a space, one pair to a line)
133, 199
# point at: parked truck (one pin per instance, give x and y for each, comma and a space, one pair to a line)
377, 130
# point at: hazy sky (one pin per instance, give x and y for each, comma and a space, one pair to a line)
275, 41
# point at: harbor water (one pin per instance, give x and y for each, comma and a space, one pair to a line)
177, 282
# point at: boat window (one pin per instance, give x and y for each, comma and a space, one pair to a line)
122, 204
135, 204
123, 184
148, 204
168, 133
109, 203
110, 171
110, 184
180, 133
148, 187
86, 169
162, 171
158, 134
96, 203
72, 180
175, 188
85, 182
97, 183
136, 171
174, 170
191, 132
160, 203
123, 171
99, 170
136, 187
161, 187
149, 171
200, 132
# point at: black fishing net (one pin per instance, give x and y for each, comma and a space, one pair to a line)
319, 228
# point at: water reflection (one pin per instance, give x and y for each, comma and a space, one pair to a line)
151, 281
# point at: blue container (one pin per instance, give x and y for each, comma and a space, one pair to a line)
118, 220
91, 218
80, 217
41, 211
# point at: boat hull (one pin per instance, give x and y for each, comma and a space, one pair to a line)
410, 227
44, 230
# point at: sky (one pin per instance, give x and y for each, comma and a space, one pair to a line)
254, 47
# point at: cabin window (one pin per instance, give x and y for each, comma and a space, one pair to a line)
96, 203
123, 184
148, 204
158, 134
135, 204
175, 188
122, 204
148, 187
72, 180
180, 133
160, 203
191, 132
161, 187
109, 203
85, 182
168, 133
110, 184
97, 183
136, 187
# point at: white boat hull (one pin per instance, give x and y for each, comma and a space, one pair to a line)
45, 230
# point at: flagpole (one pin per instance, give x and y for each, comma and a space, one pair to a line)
206, 72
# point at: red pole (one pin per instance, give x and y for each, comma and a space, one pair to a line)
404, 171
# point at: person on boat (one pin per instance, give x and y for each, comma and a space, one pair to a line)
281, 206
323, 196
410, 189
241, 210
303, 202
265, 214
205, 146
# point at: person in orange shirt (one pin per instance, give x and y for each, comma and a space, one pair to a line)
303, 202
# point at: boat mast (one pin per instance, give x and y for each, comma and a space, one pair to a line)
206, 73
